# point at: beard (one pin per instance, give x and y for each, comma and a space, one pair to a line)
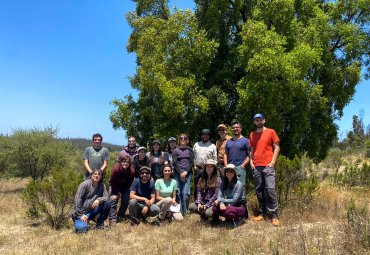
259, 125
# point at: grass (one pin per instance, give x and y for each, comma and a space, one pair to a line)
317, 228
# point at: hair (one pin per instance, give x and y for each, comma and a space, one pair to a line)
202, 184
125, 158
97, 135
226, 182
152, 150
128, 138
178, 139
100, 172
169, 147
233, 122
162, 168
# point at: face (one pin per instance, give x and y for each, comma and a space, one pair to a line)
167, 171
97, 142
95, 177
141, 154
229, 174
236, 129
259, 122
144, 176
183, 140
172, 144
222, 131
132, 142
125, 164
210, 169
205, 137
156, 147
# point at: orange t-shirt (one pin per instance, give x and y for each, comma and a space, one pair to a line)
263, 145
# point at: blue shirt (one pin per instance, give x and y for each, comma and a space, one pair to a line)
237, 150
143, 189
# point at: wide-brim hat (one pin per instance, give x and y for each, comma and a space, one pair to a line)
156, 141
141, 148
145, 168
211, 162
230, 166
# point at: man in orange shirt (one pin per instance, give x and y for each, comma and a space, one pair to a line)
264, 144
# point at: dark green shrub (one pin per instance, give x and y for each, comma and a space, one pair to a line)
52, 197
358, 220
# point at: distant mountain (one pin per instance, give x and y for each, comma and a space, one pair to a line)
82, 143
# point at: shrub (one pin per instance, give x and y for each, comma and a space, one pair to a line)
358, 220
52, 197
355, 175
33, 153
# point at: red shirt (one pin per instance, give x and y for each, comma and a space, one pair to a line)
263, 145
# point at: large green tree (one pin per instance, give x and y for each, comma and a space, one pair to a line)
296, 61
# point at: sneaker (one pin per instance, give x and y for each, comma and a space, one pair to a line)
101, 227
258, 218
275, 222
134, 221
231, 224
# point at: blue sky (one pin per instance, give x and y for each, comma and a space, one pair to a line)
62, 62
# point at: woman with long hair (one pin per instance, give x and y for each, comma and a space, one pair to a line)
207, 190
157, 158
183, 157
231, 202
121, 178
166, 188
171, 146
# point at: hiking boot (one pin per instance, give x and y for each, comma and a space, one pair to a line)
275, 222
101, 227
258, 218
134, 221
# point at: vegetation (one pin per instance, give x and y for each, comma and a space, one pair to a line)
297, 61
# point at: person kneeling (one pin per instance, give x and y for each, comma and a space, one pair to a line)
231, 201
207, 191
142, 197
91, 200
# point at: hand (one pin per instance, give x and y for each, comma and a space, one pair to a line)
174, 202
271, 164
183, 176
215, 202
252, 165
145, 210
114, 197
147, 201
84, 218
222, 207
95, 204
200, 207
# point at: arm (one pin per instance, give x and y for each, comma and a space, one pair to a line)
138, 198
87, 167
79, 210
252, 158
245, 163
225, 157
214, 156
276, 153
157, 196
238, 193
215, 195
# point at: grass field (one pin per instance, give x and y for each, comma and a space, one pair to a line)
317, 228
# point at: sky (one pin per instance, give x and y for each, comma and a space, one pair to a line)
63, 62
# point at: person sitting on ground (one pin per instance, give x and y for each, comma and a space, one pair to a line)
142, 198
157, 158
140, 160
231, 202
121, 179
166, 188
207, 191
91, 200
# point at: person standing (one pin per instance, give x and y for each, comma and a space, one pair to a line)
203, 151
220, 145
131, 149
121, 179
142, 198
91, 199
237, 150
170, 148
96, 156
265, 149
157, 158
140, 160
183, 157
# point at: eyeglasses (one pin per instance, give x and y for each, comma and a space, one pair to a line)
144, 173
183, 138
131, 141
220, 130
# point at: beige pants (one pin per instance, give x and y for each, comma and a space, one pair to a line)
164, 205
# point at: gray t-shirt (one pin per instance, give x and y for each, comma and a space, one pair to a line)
95, 158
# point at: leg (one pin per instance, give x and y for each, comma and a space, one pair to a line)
133, 208
153, 211
186, 193
271, 196
234, 212
103, 210
198, 174
177, 216
193, 207
259, 185
125, 197
209, 212
164, 205
241, 174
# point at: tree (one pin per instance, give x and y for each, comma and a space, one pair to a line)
296, 61
34, 153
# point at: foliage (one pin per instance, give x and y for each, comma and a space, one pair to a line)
33, 153
295, 180
358, 219
297, 61
354, 175
52, 196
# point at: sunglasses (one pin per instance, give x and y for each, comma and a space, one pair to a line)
220, 130
145, 173
183, 138
229, 171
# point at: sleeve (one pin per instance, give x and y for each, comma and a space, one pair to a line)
86, 154
275, 138
114, 181
106, 155
157, 185
191, 160
237, 195
215, 195
220, 195
105, 195
134, 186
174, 185
79, 210
199, 194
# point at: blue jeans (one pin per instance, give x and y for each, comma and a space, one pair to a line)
183, 191
242, 174
103, 211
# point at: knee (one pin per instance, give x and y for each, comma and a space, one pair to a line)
167, 200
155, 209
133, 202
80, 226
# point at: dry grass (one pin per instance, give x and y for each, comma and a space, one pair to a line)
318, 228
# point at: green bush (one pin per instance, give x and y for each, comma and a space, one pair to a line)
52, 197
355, 175
33, 153
358, 220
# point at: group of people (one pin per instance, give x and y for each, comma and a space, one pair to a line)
156, 184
